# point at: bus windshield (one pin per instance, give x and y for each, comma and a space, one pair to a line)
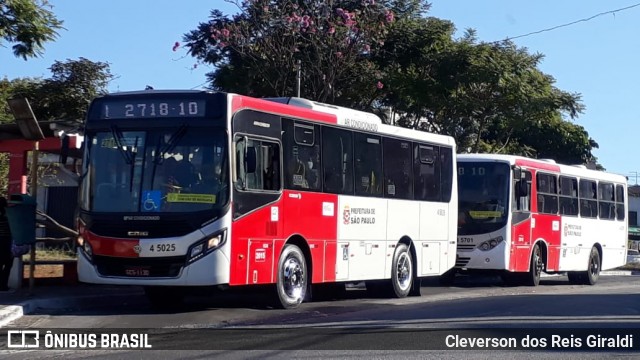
483, 196
180, 169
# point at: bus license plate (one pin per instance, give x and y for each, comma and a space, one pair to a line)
137, 271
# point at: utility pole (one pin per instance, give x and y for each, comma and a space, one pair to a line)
635, 173
298, 69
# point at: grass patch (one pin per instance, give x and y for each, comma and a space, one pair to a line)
51, 254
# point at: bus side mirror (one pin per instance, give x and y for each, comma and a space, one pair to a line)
64, 149
250, 160
522, 189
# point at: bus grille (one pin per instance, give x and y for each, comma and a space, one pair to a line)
462, 261
139, 267
154, 229
466, 247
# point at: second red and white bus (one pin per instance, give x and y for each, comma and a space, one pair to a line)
523, 216
192, 188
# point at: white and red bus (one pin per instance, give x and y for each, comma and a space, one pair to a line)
193, 188
525, 216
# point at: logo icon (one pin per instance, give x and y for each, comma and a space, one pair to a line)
346, 215
23, 339
137, 248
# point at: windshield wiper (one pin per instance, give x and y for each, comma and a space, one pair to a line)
118, 138
132, 154
170, 144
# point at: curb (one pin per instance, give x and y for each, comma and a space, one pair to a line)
14, 312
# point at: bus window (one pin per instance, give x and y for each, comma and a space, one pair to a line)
547, 186
522, 203
446, 176
368, 165
620, 202
606, 201
397, 169
426, 170
258, 165
302, 155
337, 160
568, 196
588, 199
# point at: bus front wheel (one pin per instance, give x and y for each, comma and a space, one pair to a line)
292, 281
536, 266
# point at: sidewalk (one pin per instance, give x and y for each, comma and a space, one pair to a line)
16, 303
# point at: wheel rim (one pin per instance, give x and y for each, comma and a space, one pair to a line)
293, 276
594, 267
403, 271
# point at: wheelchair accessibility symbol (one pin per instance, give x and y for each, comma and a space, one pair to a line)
151, 200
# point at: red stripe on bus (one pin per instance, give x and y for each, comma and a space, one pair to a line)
537, 164
240, 102
111, 246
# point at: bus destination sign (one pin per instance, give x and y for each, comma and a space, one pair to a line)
136, 109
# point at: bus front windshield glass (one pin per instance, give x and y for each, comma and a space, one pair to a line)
157, 170
483, 196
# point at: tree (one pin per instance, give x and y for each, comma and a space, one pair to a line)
28, 25
386, 56
257, 51
64, 96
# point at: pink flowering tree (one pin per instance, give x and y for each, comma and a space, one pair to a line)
258, 50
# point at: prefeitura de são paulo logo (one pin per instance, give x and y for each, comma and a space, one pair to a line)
346, 215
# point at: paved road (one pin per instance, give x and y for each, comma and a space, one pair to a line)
370, 325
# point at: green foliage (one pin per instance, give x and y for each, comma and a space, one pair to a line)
27, 24
387, 57
64, 96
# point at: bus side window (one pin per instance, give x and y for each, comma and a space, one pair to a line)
337, 160
368, 165
522, 203
257, 165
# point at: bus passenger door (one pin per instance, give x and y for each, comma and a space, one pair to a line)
522, 222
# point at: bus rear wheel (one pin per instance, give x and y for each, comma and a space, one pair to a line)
401, 272
292, 283
590, 277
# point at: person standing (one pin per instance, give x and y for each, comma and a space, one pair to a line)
6, 257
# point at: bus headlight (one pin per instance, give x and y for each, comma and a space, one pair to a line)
87, 249
206, 245
490, 244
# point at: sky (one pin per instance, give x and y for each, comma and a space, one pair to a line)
596, 57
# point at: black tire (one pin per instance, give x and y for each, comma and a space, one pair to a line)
164, 297
535, 267
402, 274
590, 277
292, 280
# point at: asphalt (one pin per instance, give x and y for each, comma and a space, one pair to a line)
65, 295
